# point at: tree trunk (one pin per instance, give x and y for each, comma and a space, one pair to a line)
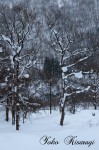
50, 98
13, 115
17, 93
62, 115
95, 107
73, 108
23, 118
95, 94
7, 111
17, 116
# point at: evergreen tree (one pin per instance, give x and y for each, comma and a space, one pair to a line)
51, 68
47, 68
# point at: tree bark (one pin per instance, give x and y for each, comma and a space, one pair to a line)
13, 115
62, 115
7, 111
17, 116
50, 98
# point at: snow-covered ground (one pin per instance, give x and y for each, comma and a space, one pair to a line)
82, 124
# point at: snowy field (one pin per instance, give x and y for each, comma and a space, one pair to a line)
34, 133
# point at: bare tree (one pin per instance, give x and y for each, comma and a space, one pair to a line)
17, 27
63, 37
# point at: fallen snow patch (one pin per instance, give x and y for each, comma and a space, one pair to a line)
1, 50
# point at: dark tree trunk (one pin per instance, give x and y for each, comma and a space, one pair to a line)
17, 93
63, 108
73, 108
50, 98
74, 104
13, 115
95, 107
17, 116
7, 111
23, 118
95, 94
62, 115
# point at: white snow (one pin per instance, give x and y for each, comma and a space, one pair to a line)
1, 50
82, 124
78, 75
12, 63
5, 38
3, 85
18, 49
64, 69
6, 79
87, 88
26, 76
83, 90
